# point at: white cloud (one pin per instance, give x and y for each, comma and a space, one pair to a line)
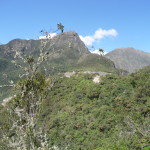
49, 36
88, 40
98, 52
98, 35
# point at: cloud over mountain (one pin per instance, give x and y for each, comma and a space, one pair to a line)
98, 35
98, 52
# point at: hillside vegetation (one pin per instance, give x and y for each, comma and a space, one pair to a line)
79, 114
66, 52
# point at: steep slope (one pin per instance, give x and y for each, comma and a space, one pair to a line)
129, 59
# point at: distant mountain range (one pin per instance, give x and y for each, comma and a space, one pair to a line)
129, 59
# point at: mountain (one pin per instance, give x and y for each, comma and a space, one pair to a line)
129, 59
66, 52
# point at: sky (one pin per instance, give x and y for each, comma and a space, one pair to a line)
106, 24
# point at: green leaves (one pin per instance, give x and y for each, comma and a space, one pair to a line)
93, 115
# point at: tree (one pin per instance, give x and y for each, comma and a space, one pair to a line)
60, 27
101, 51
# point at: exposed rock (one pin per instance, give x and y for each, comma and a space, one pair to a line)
96, 79
69, 74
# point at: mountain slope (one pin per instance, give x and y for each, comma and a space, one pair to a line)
66, 53
129, 59
66, 50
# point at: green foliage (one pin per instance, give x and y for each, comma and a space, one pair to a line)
80, 114
113, 114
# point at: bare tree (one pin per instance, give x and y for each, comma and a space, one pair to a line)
32, 90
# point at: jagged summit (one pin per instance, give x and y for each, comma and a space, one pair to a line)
71, 33
69, 41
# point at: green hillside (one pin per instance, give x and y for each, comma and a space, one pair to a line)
79, 114
66, 52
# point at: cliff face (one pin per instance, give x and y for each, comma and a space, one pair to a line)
129, 59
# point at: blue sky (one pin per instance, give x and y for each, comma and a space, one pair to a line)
106, 24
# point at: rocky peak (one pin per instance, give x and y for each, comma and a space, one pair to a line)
69, 41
